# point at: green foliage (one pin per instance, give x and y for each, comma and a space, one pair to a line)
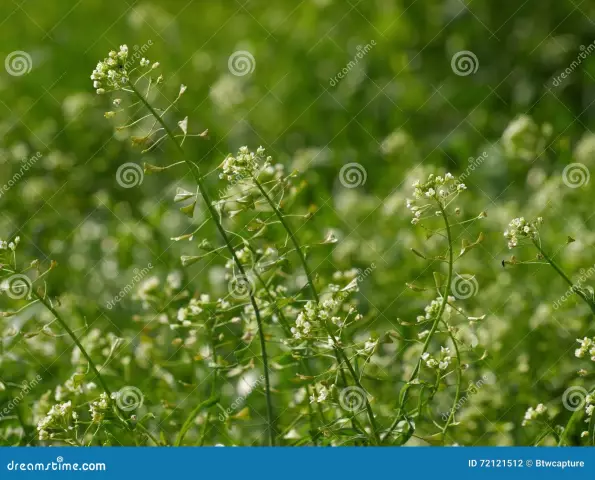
160, 290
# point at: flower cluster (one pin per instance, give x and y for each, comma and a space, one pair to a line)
441, 363
589, 409
112, 73
99, 408
533, 413
519, 228
435, 188
311, 315
4, 244
587, 345
58, 418
433, 308
321, 393
244, 165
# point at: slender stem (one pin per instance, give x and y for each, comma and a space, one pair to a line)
417, 368
564, 276
205, 196
286, 329
209, 402
575, 418
293, 238
578, 414
75, 339
444, 301
146, 431
338, 351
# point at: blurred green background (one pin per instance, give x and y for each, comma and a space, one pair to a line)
400, 111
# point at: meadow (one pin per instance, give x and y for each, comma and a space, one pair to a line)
311, 223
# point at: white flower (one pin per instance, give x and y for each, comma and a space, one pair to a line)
244, 165
533, 413
111, 74
520, 228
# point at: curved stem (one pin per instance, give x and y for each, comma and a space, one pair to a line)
213, 213
338, 350
417, 368
560, 272
578, 414
75, 339
292, 237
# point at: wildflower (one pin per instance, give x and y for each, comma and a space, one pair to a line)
441, 363
244, 165
587, 345
436, 188
533, 413
520, 228
323, 393
111, 74
99, 408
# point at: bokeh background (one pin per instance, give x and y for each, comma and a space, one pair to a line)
401, 112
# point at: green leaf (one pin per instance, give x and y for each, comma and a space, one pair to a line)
182, 195
188, 210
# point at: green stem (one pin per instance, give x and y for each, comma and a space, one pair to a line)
75, 339
417, 368
205, 196
338, 351
292, 237
564, 276
190, 420
578, 414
